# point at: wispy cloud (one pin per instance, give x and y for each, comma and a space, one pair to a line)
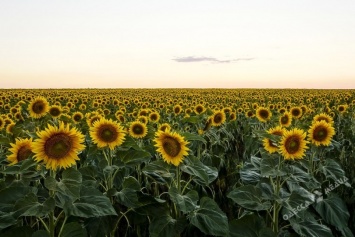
192, 59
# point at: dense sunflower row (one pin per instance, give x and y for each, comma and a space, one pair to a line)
221, 128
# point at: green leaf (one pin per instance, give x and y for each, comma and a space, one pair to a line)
40, 233
29, 206
99, 226
6, 220
249, 174
193, 137
334, 211
332, 170
23, 231
92, 203
129, 142
162, 226
134, 157
128, 197
310, 228
9, 196
185, 203
250, 226
70, 183
159, 171
203, 174
209, 218
131, 183
249, 197
269, 167
73, 229
298, 201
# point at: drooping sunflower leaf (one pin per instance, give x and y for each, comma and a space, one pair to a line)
249, 197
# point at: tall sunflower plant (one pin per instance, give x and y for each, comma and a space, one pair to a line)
42, 187
290, 186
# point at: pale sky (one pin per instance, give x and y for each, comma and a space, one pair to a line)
184, 44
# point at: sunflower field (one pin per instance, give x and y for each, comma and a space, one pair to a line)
177, 162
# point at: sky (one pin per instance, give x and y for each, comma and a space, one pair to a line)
177, 44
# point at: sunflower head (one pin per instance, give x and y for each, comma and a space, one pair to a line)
38, 107
296, 112
107, 133
263, 114
154, 117
55, 111
321, 133
199, 109
285, 120
218, 118
21, 150
2, 123
138, 129
164, 126
293, 144
171, 146
58, 146
323, 116
270, 145
77, 117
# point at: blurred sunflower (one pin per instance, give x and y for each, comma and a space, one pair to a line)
55, 111
321, 133
218, 118
77, 117
92, 119
58, 146
270, 145
285, 120
342, 108
296, 112
171, 146
154, 117
325, 117
107, 133
138, 129
163, 127
293, 144
21, 150
38, 107
263, 114
2, 123
177, 109
10, 127
199, 109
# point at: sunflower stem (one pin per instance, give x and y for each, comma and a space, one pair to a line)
178, 177
51, 224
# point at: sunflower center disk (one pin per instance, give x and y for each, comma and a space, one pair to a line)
38, 107
138, 130
217, 118
264, 114
292, 145
23, 153
55, 112
108, 134
319, 134
58, 146
171, 146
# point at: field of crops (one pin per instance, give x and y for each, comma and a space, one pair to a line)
177, 162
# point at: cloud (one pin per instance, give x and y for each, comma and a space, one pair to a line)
192, 59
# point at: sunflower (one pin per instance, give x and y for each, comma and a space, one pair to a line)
199, 109
270, 145
171, 146
38, 107
138, 129
293, 144
342, 108
263, 114
154, 117
106, 132
249, 114
143, 119
55, 111
286, 119
92, 119
296, 112
58, 146
177, 109
10, 127
218, 118
77, 117
2, 123
21, 150
232, 116
321, 133
325, 117
164, 126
